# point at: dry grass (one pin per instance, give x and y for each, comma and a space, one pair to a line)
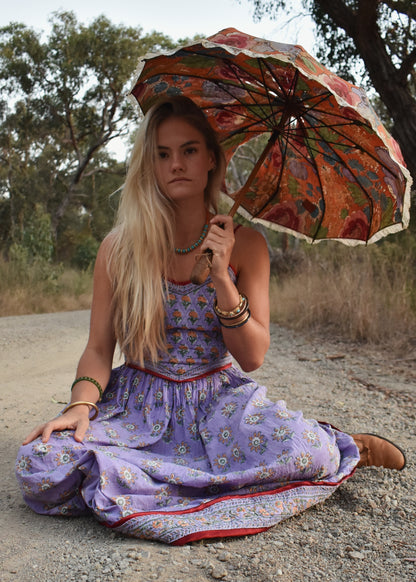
26, 301
32, 290
358, 294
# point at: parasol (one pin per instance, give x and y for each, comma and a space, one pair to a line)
330, 169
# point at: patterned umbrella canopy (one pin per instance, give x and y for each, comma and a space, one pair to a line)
330, 170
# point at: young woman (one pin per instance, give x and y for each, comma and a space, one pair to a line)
181, 444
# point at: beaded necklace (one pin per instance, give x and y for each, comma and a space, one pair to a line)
196, 244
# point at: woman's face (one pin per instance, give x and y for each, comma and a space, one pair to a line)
183, 160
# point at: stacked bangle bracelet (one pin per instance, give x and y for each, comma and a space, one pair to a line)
72, 404
235, 317
239, 323
88, 379
234, 313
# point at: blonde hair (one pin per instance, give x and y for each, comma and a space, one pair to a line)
144, 233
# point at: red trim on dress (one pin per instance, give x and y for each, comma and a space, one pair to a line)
233, 532
219, 533
180, 282
204, 375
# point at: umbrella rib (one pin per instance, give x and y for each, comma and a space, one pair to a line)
267, 91
340, 160
277, 81
319, 98
264, 65
287, 110
313, 149
246, 128
313, 110
309, 138
314, 164
265, 117
352, 143
243, 85
355, 144
228, 63
255, 93
334, 156
310, 160
284, 137
283, 149
249, 90
349, 122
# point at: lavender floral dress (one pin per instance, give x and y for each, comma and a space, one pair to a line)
189, 449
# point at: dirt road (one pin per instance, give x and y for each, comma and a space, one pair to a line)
365, 531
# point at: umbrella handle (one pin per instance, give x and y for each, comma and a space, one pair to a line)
202, 267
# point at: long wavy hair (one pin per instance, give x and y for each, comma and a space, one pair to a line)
143, 236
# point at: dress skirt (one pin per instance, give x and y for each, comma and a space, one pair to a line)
178, 461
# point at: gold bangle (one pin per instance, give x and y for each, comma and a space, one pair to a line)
72, 404
239, 323
233, 313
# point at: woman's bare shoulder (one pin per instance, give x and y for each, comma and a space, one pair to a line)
110, 239
103, 259
107, 244
244, 232
250, 246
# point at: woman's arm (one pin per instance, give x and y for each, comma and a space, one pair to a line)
247, 252
96, 360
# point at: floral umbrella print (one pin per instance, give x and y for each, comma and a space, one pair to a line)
330, 170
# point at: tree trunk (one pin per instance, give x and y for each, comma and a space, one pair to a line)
393, 90
388, 80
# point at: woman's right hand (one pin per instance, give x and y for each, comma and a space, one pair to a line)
77, 419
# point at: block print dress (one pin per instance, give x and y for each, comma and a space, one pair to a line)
191, 448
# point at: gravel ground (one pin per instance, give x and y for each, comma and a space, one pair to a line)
365, 532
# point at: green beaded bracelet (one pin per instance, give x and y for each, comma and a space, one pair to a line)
88, 379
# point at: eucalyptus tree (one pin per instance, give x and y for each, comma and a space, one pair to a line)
62, 102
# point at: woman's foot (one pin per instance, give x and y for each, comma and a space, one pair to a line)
379, 452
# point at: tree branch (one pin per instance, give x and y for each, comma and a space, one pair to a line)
363, 28
403, 7
408, 64
341, 14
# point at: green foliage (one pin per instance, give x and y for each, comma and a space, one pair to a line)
37, 237
31, 258
243, 161
85, 253
28, 271
336, 48
62, 102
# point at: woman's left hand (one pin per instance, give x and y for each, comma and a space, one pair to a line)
220, 240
